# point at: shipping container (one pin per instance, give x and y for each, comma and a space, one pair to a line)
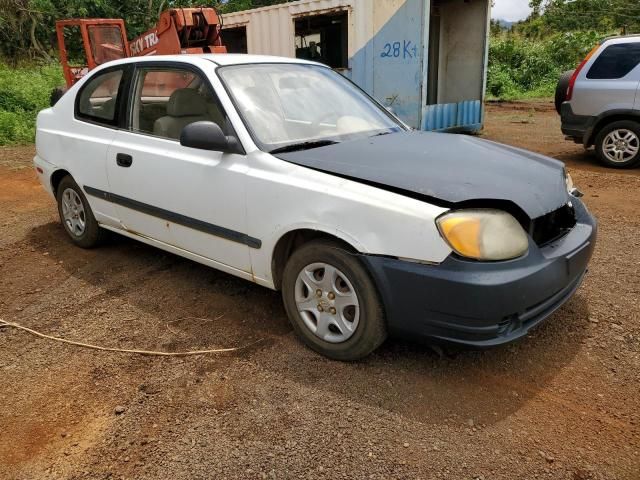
426, 60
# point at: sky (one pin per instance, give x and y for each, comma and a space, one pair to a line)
511, 10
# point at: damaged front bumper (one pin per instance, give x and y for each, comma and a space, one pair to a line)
484, 304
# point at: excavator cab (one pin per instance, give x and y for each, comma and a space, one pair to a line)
95, 41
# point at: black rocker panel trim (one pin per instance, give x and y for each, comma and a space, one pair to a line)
176, 218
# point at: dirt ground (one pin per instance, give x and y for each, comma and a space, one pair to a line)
561, 404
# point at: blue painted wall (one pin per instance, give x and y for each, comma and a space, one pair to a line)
390, 66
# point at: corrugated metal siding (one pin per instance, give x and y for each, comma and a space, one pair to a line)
452, 116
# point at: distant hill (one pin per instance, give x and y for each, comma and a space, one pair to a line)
504, 23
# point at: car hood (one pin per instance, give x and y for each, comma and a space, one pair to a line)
445, 167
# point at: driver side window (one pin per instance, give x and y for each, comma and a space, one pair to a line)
168, 99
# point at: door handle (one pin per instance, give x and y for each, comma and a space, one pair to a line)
124, 160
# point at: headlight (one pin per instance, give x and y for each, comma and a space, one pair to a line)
569, 181
571, 188
484, 234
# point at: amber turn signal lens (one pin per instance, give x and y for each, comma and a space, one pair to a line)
463, 234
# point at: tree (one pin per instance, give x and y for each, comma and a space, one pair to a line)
583, 15
27, 27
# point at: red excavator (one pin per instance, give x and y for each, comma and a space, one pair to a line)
179, 30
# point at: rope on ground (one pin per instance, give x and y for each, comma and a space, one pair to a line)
4, 323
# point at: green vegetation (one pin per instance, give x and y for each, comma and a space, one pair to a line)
521, 67
526, 60
24, 91
552, 16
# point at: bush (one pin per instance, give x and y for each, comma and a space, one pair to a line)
24, 91
522, 67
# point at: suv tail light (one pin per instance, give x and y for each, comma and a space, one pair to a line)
574, 77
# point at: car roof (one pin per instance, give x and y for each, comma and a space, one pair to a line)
632, 38
221, 59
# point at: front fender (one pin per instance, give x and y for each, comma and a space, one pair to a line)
282, 197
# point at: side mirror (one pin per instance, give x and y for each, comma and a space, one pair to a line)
208, 136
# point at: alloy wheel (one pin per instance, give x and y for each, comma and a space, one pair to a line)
73, 212
621, 145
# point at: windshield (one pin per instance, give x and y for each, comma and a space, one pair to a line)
288, 104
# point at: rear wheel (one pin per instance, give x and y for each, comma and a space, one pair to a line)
618, 144
332, 302
76, 215
561, 90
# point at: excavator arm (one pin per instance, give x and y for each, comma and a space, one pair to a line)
182, 30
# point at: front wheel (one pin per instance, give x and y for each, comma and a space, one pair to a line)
332, 302
618, 144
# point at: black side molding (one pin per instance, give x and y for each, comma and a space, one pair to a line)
176, 218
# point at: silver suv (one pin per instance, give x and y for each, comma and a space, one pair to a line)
600, 102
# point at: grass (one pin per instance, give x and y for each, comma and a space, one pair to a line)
24, 91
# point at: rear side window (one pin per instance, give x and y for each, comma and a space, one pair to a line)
617, 61
98, 99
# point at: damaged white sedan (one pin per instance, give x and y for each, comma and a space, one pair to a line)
286, 174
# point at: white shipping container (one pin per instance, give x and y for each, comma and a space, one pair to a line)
424, 59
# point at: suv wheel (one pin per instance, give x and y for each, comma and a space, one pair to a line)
332, 302
618, 144
76, 215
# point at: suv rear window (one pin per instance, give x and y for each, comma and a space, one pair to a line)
615, 62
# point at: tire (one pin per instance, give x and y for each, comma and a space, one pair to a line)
628, 133
91, 234
561, 90
356, 305
56, 94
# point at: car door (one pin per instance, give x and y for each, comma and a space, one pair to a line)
187, 198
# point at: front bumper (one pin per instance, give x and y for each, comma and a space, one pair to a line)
485, 304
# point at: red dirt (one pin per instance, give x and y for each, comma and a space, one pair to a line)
561, 404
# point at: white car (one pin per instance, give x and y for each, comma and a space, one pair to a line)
286, 174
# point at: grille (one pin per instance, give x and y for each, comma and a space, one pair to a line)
553, 226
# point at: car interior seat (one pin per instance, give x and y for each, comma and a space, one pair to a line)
185, 106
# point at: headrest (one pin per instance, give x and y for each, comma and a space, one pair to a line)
186, 102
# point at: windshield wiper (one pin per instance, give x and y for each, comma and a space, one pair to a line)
295, 147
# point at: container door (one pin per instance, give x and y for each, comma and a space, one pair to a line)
457, 65
398, 57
